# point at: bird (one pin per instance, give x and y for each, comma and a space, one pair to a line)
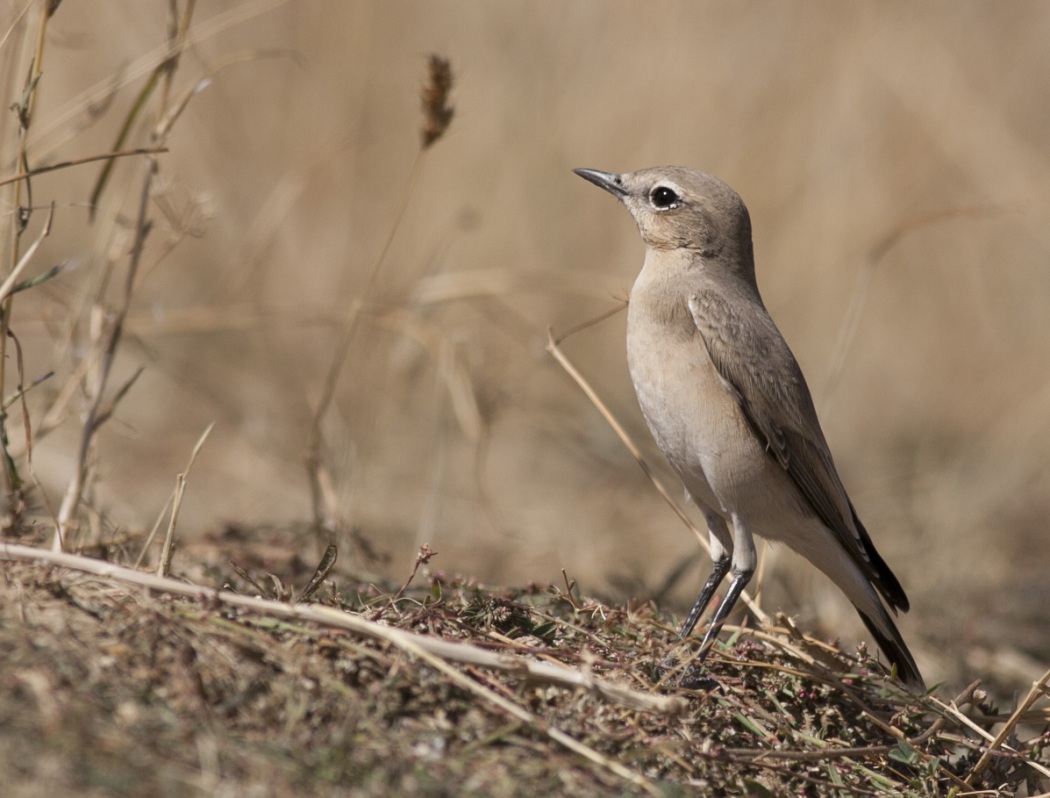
727, 404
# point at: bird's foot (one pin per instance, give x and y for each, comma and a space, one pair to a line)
695, 677
691, 676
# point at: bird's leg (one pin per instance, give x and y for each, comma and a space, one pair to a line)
721, 547
745, 560
721, 567
736, 587
723, 555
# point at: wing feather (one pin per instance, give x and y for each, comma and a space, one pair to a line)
773, 395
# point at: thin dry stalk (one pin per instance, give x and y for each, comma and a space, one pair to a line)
153, 531
20, 221
16, 20
105, 156
164, 564
27, 424
162, 75
1039, 688
110, 335
98, 414
9, 286
54, 132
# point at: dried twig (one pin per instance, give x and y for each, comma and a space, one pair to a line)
20, 221
97, 414
105, 156
9, 285
1039, 688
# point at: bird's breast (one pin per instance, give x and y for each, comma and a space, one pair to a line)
693, 417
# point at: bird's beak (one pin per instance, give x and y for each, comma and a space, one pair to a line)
610, 182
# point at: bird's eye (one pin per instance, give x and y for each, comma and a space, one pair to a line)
663, 198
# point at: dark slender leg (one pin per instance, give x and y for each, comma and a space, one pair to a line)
717, 575
736, 587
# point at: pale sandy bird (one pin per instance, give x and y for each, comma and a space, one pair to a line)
729, 407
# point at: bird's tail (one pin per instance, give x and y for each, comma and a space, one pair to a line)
896, 652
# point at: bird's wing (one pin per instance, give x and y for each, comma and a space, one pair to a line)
772, 393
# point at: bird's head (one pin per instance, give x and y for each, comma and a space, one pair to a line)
679, 208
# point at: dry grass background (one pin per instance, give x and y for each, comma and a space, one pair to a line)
889, 149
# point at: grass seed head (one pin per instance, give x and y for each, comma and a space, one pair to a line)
437, 113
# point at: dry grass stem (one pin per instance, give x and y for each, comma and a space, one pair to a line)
164, 562
1038, 690
9, 286
106, 156
108, 342
148, 542
19, 223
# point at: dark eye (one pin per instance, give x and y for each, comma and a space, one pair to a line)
663, 197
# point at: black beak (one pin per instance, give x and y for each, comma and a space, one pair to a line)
607, 180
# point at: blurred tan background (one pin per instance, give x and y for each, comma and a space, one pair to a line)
894, 158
